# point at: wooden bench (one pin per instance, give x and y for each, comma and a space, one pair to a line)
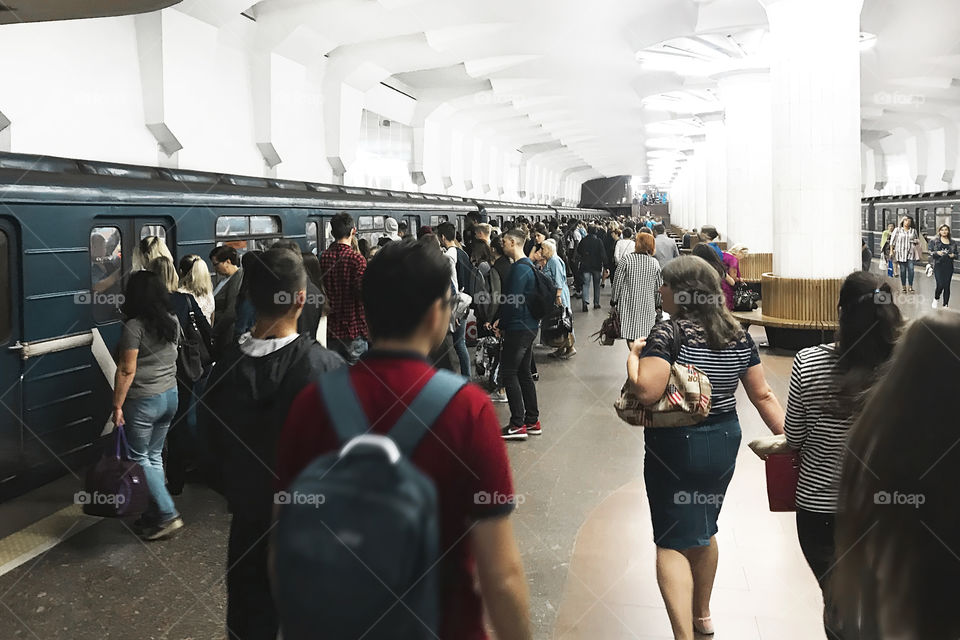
786, 333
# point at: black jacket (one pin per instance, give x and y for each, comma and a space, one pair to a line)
312, 310
246, 404
591, 252
225, 312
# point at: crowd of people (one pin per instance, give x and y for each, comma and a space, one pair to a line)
230, 382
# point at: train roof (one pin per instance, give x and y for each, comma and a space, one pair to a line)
44, 179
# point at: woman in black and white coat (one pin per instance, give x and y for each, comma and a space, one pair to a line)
636, 290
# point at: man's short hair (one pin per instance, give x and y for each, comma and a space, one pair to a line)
659, 229
518, 234
484, 229
402, 226
447, 231
273, 280
400, 284
225, 253
341, 225
290, 245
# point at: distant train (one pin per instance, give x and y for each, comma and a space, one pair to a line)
928, 210
62, 222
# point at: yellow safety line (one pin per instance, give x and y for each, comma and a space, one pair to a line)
41, 536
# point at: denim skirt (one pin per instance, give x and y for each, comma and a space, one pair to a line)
686, 471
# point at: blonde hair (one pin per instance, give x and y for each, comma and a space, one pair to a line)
149, 249
549, 248
739, 250
196, 277
163, 267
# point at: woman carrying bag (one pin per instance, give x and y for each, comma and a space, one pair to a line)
687, 468
556, 270
145, 392
905, 247
826, 391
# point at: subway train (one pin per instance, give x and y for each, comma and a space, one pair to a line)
929, 211
63, 222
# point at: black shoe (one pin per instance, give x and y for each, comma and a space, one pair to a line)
514, 433
596, 306
535, 375
585, 308
163, 529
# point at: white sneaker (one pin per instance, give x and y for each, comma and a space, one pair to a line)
933, 305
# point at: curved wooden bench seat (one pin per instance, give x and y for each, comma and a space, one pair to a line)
756, 317
796, 312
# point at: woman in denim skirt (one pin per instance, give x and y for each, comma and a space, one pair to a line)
687, 469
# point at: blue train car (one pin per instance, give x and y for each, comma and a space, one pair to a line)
67, 234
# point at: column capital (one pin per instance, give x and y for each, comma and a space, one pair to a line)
711, 116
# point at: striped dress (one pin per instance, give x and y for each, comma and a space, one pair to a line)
813, 428
636, 292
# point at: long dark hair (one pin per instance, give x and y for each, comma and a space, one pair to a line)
706, 252
147, 300
896, 524
870, 323
696, 292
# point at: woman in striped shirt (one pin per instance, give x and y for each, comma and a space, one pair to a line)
905, 248
826, 386
687, 469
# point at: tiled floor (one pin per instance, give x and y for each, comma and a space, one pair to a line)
584, 531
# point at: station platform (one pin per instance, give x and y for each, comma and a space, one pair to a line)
583, 526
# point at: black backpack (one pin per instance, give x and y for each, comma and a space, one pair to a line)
358, 528
469, 277
486, 298
543, 298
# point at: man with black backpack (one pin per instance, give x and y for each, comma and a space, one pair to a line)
248, 395
395, 487
519, 327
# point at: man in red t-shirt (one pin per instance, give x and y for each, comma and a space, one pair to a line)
406, 293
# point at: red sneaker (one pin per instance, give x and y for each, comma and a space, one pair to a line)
514, 433
534, 429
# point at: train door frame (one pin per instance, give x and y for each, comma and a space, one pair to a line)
413, 224
11, 360
322, 221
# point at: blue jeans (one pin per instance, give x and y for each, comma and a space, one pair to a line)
591, 277
906, 272
460, 345
147, 422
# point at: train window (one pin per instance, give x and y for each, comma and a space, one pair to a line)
435, 220
6, 300
106, 274
313, 236
157, 230
370, 228
365, 223
247, 233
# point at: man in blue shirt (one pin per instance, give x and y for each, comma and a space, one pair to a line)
519, 328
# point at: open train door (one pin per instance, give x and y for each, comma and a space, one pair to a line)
11, 363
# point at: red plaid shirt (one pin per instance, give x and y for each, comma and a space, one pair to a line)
342, 270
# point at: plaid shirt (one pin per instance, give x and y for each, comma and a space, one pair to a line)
342, 270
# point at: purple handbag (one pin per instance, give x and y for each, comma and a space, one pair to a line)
116, 486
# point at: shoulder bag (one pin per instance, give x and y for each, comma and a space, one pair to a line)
686, 401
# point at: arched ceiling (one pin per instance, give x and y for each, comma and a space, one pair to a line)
567, 73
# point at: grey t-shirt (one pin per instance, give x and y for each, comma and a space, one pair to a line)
156, 360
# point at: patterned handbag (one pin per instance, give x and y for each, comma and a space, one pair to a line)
609, 331
686, 401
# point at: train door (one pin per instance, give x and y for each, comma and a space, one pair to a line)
158, 227
319, 234
11, 364
413, 225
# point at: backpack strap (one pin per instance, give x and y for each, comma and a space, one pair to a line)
346, 415
416, 421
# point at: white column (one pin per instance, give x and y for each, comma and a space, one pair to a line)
701, 207
747, 103
716, 156
815, 78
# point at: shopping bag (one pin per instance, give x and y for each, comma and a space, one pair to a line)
116, 486
889, 268
783, 472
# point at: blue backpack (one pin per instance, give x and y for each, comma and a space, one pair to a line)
357, 539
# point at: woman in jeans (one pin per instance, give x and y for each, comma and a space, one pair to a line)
145, 392
557, 271
943, 251
905, 247
826, 389
687, 469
